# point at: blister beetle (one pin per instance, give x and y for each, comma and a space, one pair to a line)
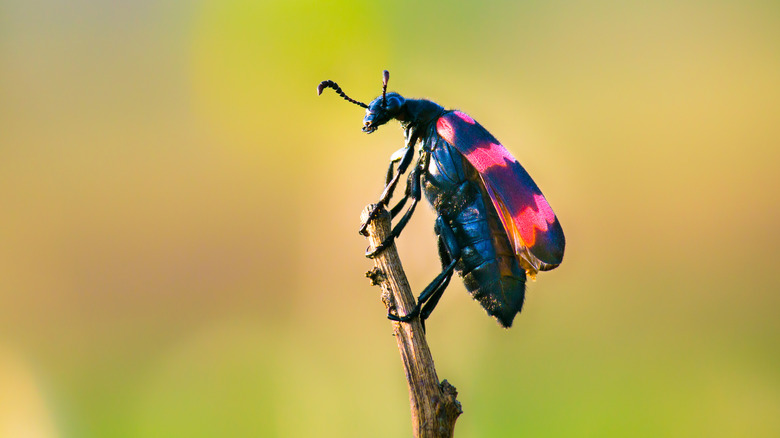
493, 224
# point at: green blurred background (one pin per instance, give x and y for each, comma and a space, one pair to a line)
179, 253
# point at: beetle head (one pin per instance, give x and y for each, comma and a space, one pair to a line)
380, 111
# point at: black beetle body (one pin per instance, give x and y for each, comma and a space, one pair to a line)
472, 235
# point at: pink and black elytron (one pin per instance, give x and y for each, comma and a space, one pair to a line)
494, 226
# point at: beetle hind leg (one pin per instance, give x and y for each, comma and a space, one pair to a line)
449, 253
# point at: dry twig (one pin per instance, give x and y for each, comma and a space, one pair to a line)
434, 406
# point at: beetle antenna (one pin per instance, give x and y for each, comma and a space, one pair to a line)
330, 84
385, 78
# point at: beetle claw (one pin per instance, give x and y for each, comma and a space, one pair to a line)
406, 318
381, 247
371, 216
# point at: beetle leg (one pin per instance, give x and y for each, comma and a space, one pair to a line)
449, 253
395, 158
400, 205
404, 157
415, 192
425, 158
405, 160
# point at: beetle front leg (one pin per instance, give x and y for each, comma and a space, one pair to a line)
415, 192
404, 157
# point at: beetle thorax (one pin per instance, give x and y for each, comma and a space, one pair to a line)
418, 114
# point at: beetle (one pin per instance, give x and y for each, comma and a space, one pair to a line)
493, 226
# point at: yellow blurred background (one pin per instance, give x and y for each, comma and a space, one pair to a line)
179, 253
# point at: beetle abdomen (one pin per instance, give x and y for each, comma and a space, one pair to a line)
490, 270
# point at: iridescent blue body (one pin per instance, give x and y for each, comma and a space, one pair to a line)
488, 264
493, 224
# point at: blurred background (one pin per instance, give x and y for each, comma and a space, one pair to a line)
178, 239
